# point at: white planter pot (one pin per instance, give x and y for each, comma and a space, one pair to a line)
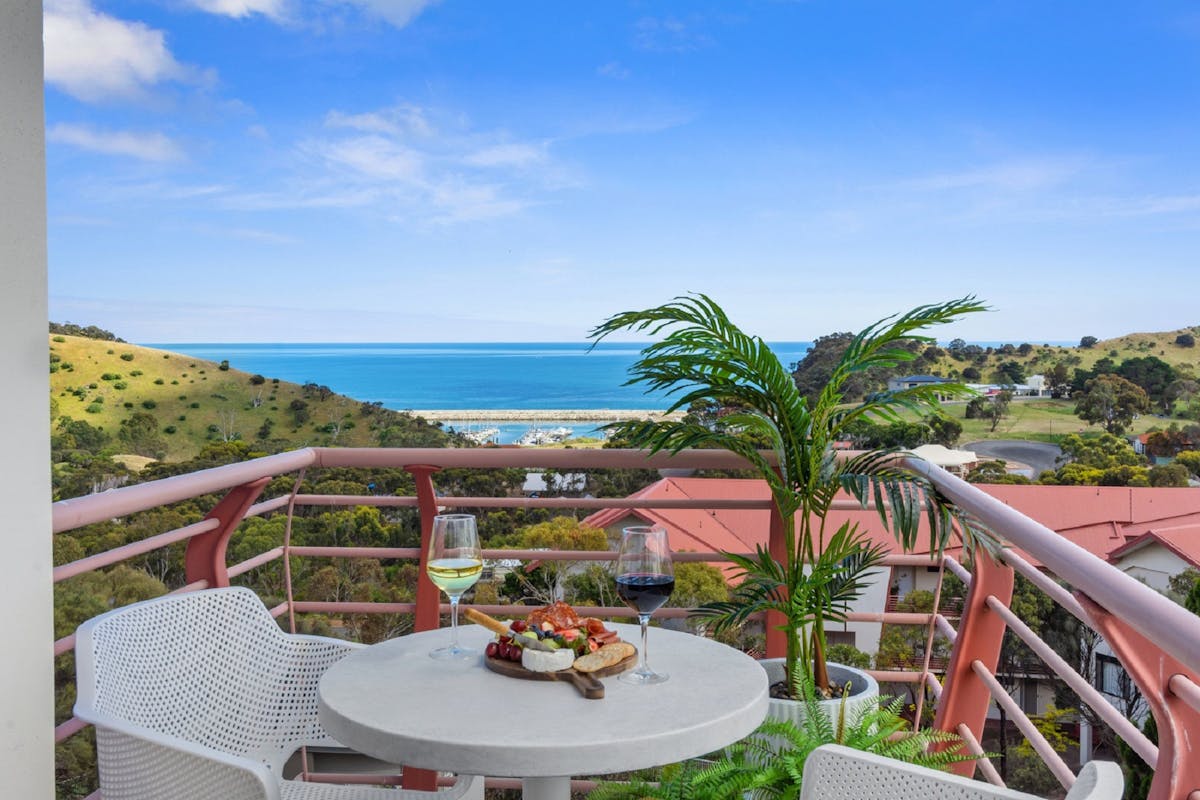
864, 691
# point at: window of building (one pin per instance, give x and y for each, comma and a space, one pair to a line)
1109, 674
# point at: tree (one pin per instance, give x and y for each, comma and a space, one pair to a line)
1153, 375
1181, 390
1191, 460
944, 430
1088, 342
1111, 401
545, 582
995, 472
140, 435
993, 407
867, 435
1185, 340
1169, 475
1106, 460
1058, 379
703, 355
1011, 372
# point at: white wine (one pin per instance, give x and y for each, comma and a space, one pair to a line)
454, 575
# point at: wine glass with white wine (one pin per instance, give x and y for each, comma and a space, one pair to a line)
454, 565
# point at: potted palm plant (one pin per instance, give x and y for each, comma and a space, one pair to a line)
703, 357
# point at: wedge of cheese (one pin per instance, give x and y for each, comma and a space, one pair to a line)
546, 660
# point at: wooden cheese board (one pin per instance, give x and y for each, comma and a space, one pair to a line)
585, 682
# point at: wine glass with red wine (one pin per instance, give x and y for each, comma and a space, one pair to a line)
645, 579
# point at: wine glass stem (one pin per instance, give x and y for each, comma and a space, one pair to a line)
453, 620
644, 619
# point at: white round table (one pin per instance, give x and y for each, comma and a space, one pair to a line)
392, 701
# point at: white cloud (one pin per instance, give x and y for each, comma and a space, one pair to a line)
373, 157
96, 57
613, 69
505, 155
1013, 176
145, 146
668, 35
242, 8
414, 165
400, 119
395, 12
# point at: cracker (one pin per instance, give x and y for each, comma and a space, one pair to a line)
606, 656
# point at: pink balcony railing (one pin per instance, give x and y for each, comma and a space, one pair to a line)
1156, 641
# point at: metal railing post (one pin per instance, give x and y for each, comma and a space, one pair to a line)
1177, 772
965, 697
428, 596
426, 616
777, 544
204, 559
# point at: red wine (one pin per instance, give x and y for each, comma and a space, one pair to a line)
644, 592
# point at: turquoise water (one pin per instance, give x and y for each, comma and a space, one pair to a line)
458, 376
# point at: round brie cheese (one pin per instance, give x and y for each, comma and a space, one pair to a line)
546, 660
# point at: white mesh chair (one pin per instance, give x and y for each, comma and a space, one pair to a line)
201, 696
833, 772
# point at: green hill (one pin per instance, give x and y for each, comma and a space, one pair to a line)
194, 402
1037, 358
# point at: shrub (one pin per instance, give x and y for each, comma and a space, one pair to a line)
110, 352
93, 385
149, 404
59, 339
127, 404
127, 356
53, 367
170, 429
257, 380
111, 376
134, 373
193, 405
224, 366
120, 385
94, 408
1185, 340
55, 358
174, 383
182, 418
159, 381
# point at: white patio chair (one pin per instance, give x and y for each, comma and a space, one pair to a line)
833, 772
201, 696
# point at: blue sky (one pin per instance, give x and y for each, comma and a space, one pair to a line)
406, 170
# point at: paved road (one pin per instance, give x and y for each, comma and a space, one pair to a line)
1038, 455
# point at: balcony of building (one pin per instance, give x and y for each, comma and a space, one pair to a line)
957, 671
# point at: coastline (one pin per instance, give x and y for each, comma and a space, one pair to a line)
538, 415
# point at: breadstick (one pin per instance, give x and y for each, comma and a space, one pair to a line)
491, 623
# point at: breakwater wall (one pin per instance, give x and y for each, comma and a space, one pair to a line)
539, 415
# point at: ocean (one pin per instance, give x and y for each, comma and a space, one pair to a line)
403, 377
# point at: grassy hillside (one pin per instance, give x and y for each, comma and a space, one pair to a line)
196, 401
1041, 357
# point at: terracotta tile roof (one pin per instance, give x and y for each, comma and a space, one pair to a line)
1182, 540
1100, 519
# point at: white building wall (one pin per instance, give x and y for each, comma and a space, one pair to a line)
26, 671
1153, 564
866, 634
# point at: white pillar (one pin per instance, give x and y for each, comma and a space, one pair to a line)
26, 666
